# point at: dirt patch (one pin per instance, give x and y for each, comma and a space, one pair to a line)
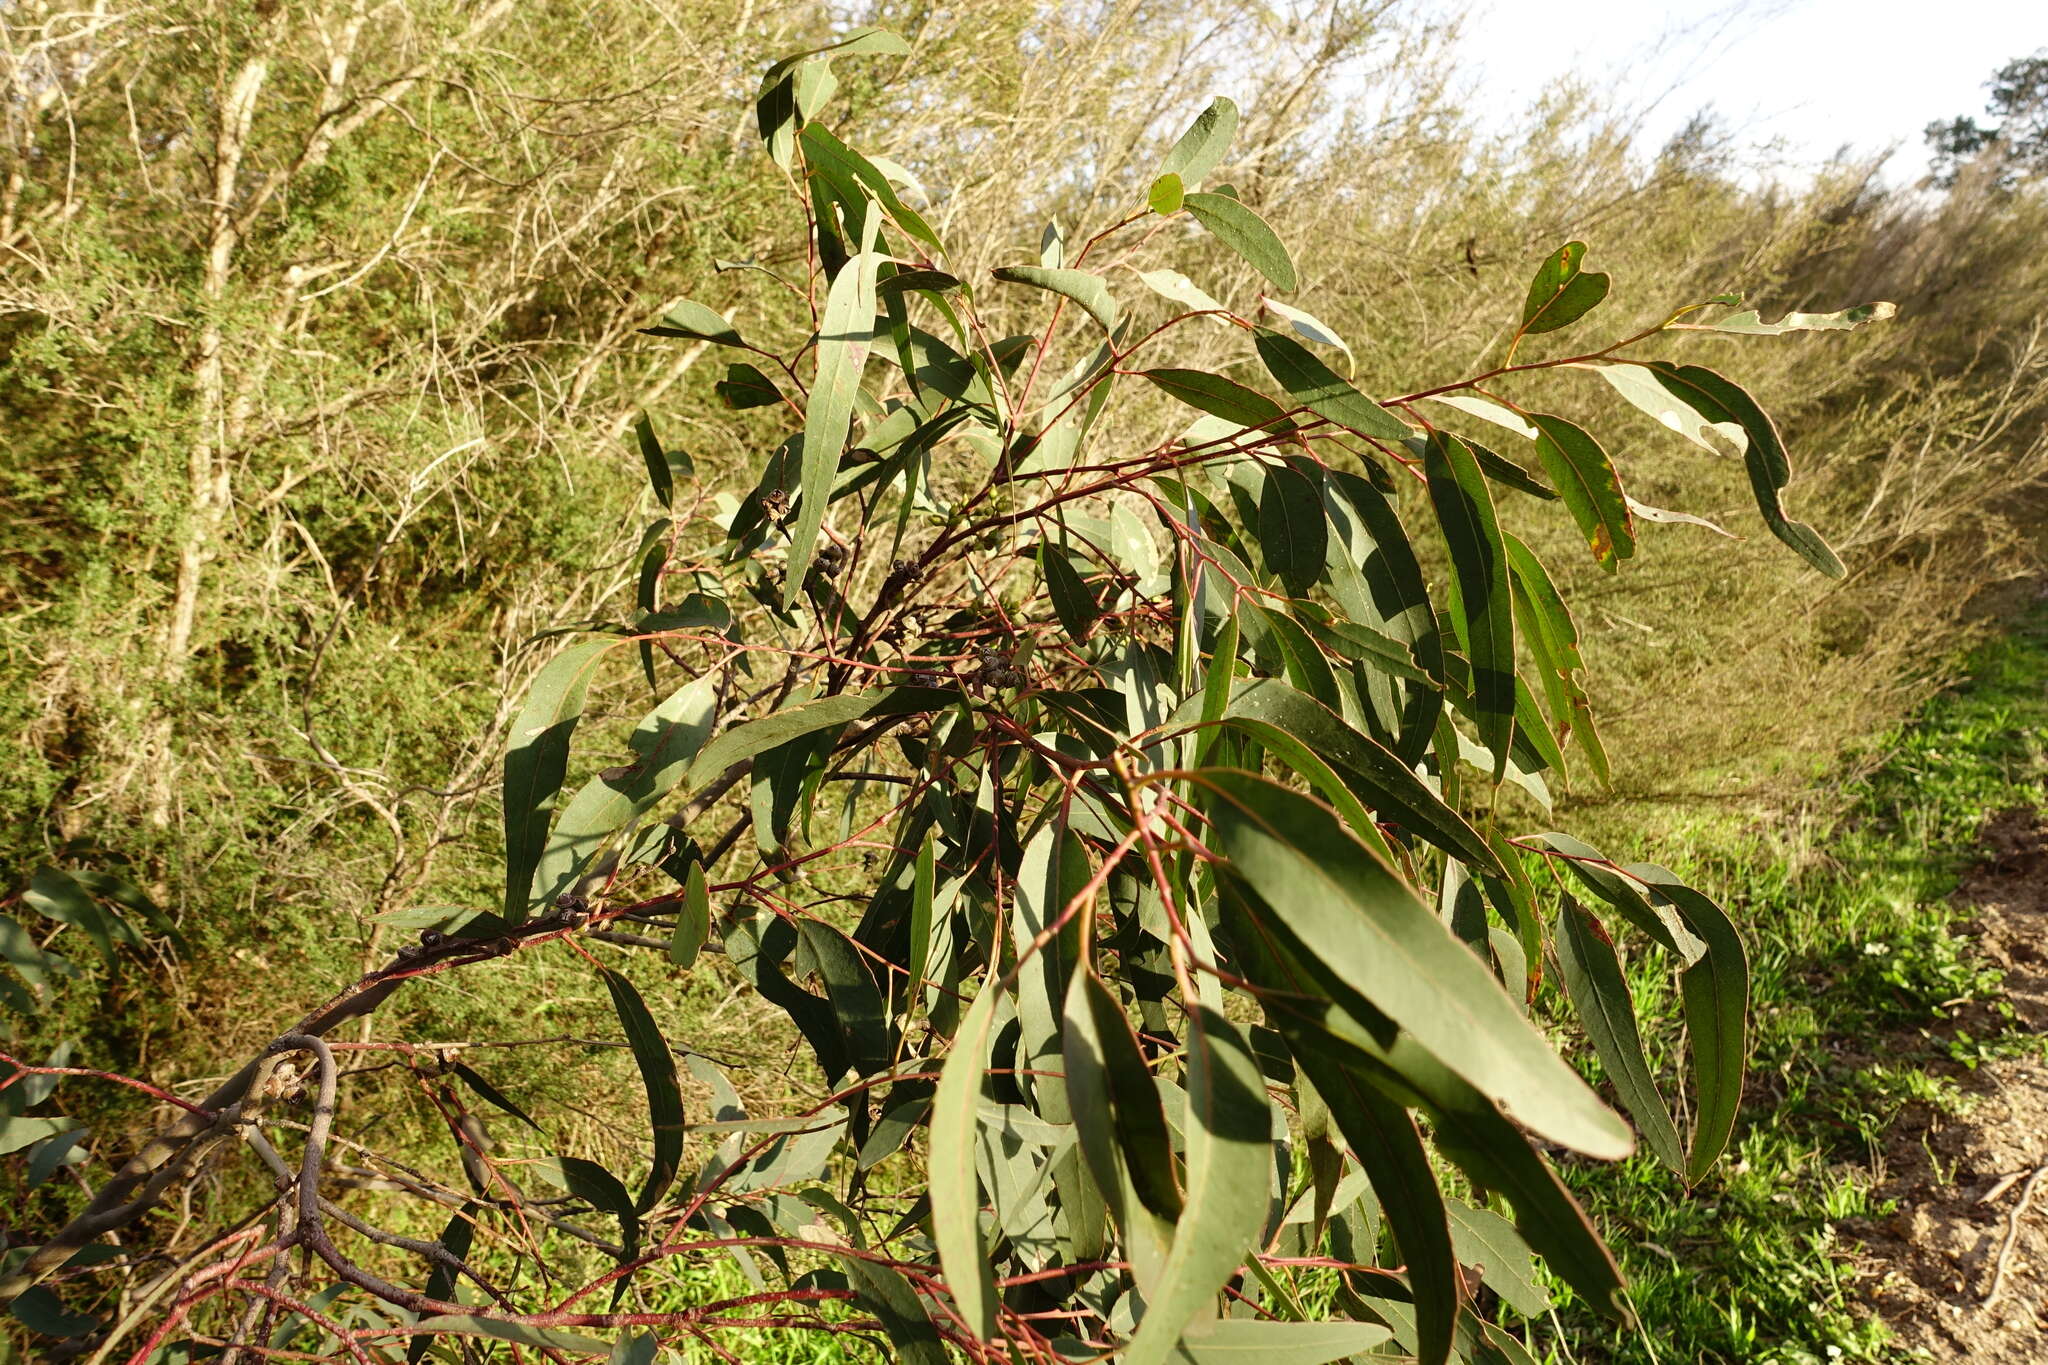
1958, 1181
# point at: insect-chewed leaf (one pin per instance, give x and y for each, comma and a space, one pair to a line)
1367, 937
1481, 608
1752, 324
536, 761
1203, 144
1639, 385
1770, 469
1244, 232
1586, 480
1229, 1153
1323, 391
1088, 290
1562, 293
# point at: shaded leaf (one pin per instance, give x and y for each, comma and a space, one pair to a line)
1323, 391
1599, 990
1586, 480
658, 1075
695, 321
536, 760
1481, 608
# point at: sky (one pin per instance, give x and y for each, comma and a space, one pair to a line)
1813, 74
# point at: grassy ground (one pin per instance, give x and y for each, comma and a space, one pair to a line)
1854, 939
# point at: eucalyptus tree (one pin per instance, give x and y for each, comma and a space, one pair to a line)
1130, 781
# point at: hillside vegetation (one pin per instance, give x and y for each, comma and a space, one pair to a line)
321, 356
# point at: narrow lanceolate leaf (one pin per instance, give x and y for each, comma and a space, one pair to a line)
1083, 288
1586, 480
1118, 1117
1244, 232
1752, 324
1293, 532
1249, 1341
536, 761
1599, 991
1367, 937
845, 335
1229, 1151
1166, 195
1203, 144
923, 894
1225, 398
1481, 607
1553, 640
695, 321
518, 1333
658, 1074
1770, 469
1715, 995
455, 1239
1562, 293
955, 1193
1323, 391
693, 920
1384, 1139
1071, 601
1664, 516
656, 460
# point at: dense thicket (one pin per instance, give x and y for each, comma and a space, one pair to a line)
318, 355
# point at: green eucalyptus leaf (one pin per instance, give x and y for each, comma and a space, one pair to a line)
1561, 293
1481, 608
1089, 291
1244, 232
1203, 144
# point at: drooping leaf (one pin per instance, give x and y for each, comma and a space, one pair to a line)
1203, 144
1229, 1135
1365, 936
754, 737
1562, 293
1244, 232
1090, 291
693, 920
1586, 480
455, 1239
1072, 602
855, 177
1719, 400
1118, 1118
1664, 516
1323, 391
1599, 990
658, 1076
1292, 528
1481, 608
882, 1290
845, 335
1715, 994
536, 761
955, 1193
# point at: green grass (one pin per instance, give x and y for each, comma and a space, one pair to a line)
1855, 943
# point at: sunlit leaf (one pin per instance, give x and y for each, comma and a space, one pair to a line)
1244, 232
1562, 293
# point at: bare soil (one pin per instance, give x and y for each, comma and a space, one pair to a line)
1959, 1181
